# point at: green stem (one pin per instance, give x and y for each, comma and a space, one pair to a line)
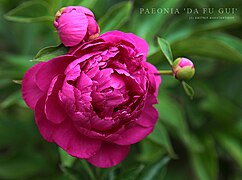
88, 170
165, 72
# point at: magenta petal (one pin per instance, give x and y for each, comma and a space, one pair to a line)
155, 80
116, 37
185, 62
45, 127
133, 135
109, 155
51, 69
75, 143
141, 44
149, 115
53, 110
65, 135
92, 26
72, 27
30, 91
79, 9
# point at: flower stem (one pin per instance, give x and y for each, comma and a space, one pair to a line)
164, 72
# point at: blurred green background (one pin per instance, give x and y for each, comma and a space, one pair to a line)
199, 139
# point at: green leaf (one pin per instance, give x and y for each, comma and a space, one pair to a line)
220, 108
50, 52
28, 12
116, 16
207, 47
131, 173
146, 25
66, 159
11, 99
181, 28
87, 3
166, 50
23, 167
155, 170
188, 89
150, 151
171, 114
232, 145
204, 161
72, 174
161, 137
88, 169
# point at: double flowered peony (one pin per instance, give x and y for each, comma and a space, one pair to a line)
97, 100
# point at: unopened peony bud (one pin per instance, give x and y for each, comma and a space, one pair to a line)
183, 69
75, 24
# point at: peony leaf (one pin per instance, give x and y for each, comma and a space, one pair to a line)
232, 145
204, 161
50, 52
166, 50
155, 170
173, 117
116, 16
28, 12
161, 137
188, 89
66, 159
218, 48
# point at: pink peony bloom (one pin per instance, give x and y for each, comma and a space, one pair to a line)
74, 24
183, 69
97, 100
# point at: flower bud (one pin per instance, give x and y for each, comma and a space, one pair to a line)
183, 69
75, 24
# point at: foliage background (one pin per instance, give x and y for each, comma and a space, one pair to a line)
199, 139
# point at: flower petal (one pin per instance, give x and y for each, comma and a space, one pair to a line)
141, 44
109, 155
79, 9
116, 37
30, 91
53, 110
149, 115
65, 135
51, 69
155, 80
133, 135
72, 27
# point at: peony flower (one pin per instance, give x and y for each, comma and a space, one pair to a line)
183, 69
75, 24
97, 100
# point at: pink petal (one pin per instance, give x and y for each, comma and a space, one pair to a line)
30, 91
185, 62
51, 69
149, 114
155, 80
116, 37
109, 155
53, 110
133, 135
65, 135
72, 27
141, 44
79, 9
93, 27
44, 125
